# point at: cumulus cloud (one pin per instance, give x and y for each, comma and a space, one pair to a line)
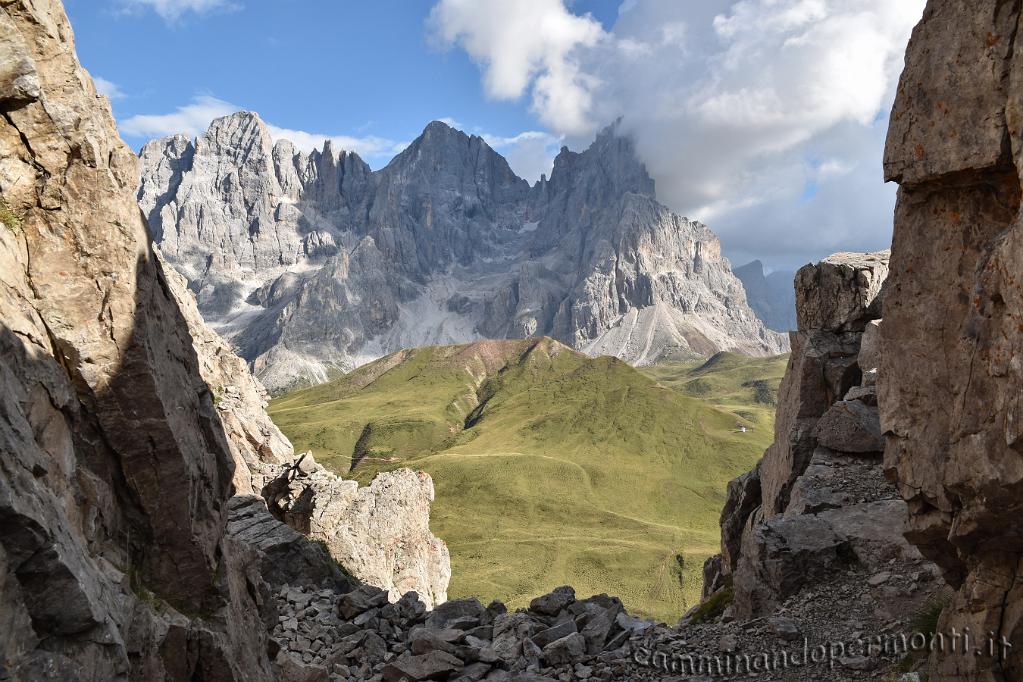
191, 119
194, 118
172, 10
108, 88
527, 44
530, 154
764, 118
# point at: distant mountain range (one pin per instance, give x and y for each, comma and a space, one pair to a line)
310, 263
772, 297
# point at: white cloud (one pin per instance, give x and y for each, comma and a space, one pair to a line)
368, 147
108, 88
738, 107
172, 10
527, 44
193, 119
530, 154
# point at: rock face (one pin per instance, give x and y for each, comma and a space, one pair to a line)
955, 294
835, 300
817, 518
816, 477
312, 261
772, 297
116, 465
131, 438
380, 533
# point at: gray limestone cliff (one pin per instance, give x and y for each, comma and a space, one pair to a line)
309, 262
816, 523
951, 381
134, 443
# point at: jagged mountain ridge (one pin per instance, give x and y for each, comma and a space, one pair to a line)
314, 261
772, 296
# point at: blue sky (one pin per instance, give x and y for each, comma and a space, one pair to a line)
765, 119
361, 69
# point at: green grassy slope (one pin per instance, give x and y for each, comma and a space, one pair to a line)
550, 468
747, 387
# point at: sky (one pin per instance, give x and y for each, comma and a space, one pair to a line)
765, 119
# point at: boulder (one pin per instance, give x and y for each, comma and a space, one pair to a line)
850, 426
360, 600
566, 650
782, 555
462, 614
551, 604
510, 629
562, 629
436, 665
380, 533
842, 292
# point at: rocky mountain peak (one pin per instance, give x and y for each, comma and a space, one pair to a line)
312, 261
610, 166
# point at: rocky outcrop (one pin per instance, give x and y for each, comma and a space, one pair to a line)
131, 437
380, 533
822, 470
308, 262
115, 467
951, 380
772, 296
817, 517
835, 299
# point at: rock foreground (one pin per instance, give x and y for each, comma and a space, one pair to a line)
154, 523
135, 444
312, 262
951, 383
813, 552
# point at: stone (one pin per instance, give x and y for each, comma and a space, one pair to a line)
473, 672
568, 649
436, 665
563, 629
510, 629
551, 604
864, 394
462, 614
360, 600
842, 292
780, 556
597, 629
785, 628
850, 426
879, 579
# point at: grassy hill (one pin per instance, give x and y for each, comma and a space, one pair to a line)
745, 386
550, 467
